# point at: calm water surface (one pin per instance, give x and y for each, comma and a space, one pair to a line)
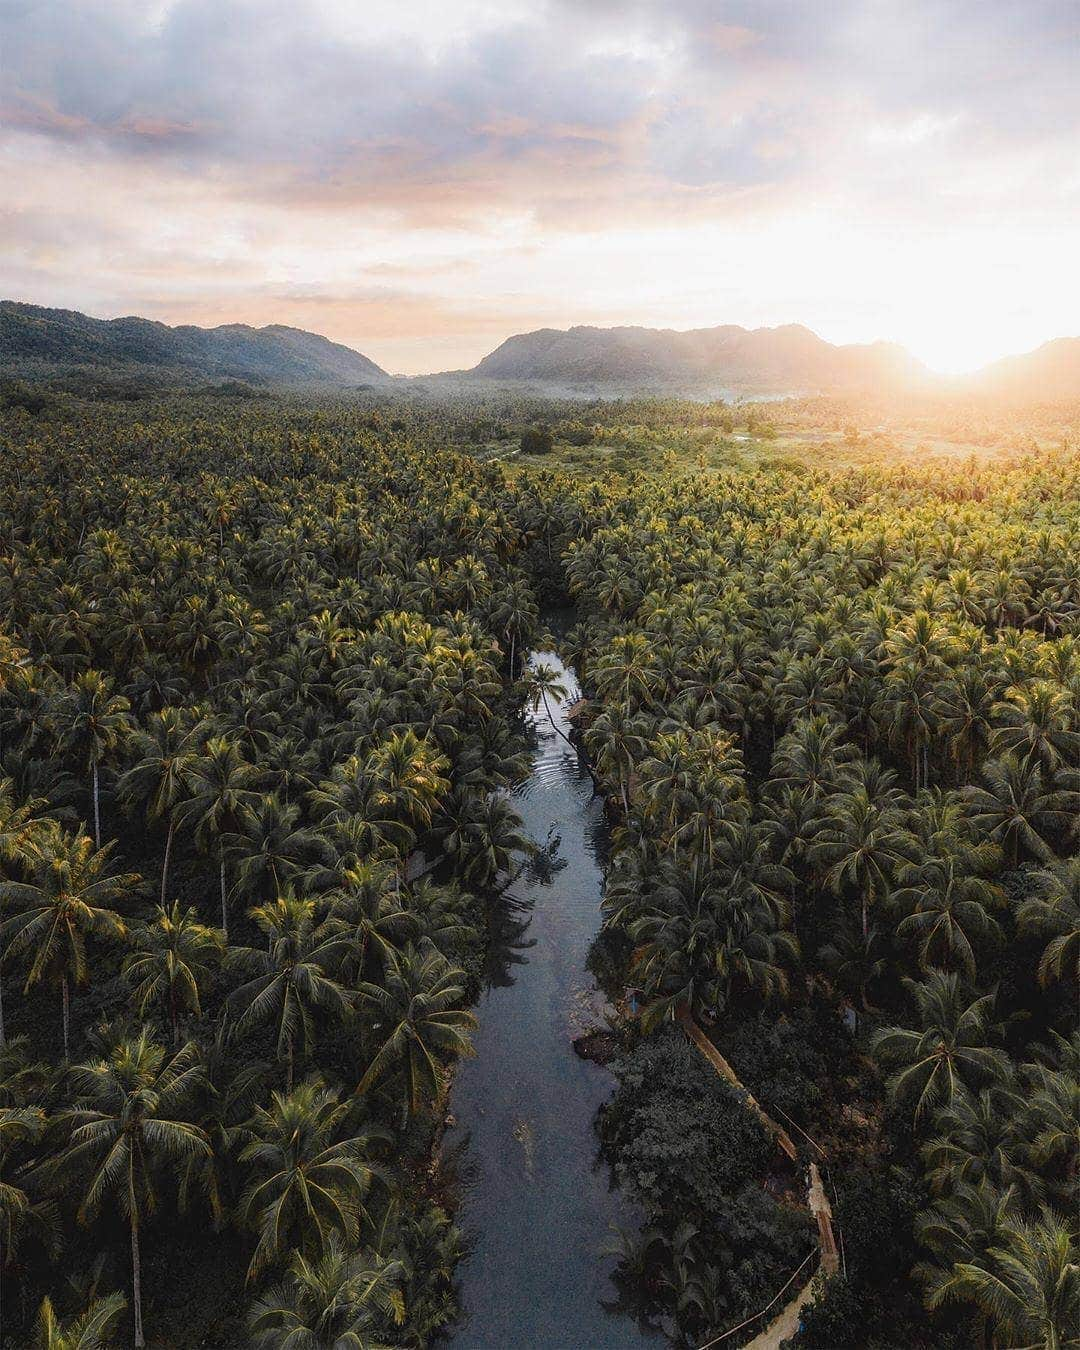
537, 1206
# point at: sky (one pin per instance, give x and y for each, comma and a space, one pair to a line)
422, 178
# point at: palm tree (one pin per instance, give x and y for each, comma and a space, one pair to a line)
173, 959
126, 1128
952, 1049
410, 775
1015, 810
221, 784
62, 904
292, 976
948, 900
1036, 722
861, 842
1052, 911
975, 1136
420, 1016
166, 753
94, 726
20, 824
480, 834
957, 1229
371, 913
615, 743
1029, 1287
339, 1301
19, 1126
91, 1330
310, 1182
273, 846
544, 685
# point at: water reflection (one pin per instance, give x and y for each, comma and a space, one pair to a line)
537, 1205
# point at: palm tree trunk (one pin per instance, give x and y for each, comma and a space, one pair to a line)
289, 1070
66, 1004
136, 1278
512, 646
224, 902
97, 805
165, 862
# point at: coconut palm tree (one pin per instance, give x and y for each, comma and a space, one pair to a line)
221, 788
292, 978
1037, 722
946, 900
952, 1048
341, 1300
1016, 809
90, 1330
1051, 911
165, 755
173, 960
63, 902
861, 842
421, 1019
310, 1174
126, 1128
20, 824
1029, 1286
272, 847
94, 725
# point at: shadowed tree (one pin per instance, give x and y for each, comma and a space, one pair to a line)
126, 1129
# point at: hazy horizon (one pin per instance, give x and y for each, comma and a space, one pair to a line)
420, 181
419, 374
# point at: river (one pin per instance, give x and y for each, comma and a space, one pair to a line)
537, 1206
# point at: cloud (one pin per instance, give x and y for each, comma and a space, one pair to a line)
204, 152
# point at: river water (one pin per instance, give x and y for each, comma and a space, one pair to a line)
537, 1206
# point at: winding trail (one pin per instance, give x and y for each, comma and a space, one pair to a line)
786, 1322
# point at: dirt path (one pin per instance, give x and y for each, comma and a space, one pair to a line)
786, 1322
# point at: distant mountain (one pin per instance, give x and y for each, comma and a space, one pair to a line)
54, 341
790, 359
1051, 373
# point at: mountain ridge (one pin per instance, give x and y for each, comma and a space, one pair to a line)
723, 360
789, 358
34, 336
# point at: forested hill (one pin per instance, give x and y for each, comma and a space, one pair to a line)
1051, 372
34, 339
780, 360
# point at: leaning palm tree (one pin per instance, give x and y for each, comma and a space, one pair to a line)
90, 1330
291, 976
421, 1016
341, 1300
952, 1048
126, 1128
310, 1175
173, 959
221, 785
62, 904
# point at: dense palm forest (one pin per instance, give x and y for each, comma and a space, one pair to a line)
261, 696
